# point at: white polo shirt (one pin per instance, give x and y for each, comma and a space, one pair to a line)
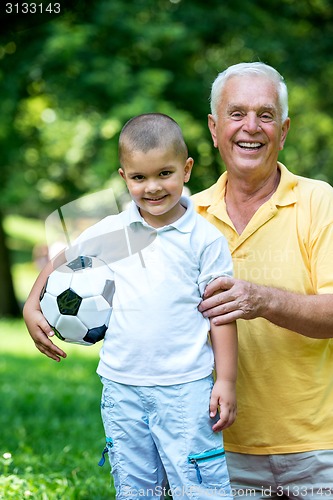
156, 334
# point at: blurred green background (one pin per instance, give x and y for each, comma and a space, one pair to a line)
68, 82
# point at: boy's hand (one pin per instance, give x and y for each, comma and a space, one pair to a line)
223, 397
40, 331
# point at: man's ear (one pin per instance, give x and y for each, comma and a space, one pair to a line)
285, 130
212, 129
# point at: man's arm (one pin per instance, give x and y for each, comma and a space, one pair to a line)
228, 299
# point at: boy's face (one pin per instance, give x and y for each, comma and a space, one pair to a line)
155, 182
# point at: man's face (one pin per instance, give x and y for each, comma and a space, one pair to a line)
249, 132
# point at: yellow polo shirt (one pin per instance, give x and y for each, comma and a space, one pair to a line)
285, 380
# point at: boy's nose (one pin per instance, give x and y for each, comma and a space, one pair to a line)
152, 187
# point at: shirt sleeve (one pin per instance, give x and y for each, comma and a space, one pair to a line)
321, 260
319, 227
215, 261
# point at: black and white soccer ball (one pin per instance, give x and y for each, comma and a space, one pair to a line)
77, 300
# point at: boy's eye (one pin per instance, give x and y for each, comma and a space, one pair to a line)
138, 177
165, 173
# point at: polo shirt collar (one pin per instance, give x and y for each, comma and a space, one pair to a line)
283, 196
184, 224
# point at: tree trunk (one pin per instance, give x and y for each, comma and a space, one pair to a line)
8, 302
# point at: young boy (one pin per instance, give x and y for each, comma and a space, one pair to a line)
159, 402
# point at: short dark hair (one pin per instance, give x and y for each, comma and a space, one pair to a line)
151, 131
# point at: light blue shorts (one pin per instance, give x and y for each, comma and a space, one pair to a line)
164, 434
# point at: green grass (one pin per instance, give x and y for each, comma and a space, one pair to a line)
51, 435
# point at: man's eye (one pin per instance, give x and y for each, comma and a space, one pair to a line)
236, 115
266, 117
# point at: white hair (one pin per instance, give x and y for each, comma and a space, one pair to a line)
254, 68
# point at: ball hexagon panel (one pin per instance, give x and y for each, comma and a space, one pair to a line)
56, 285
71, 328
88, 309
49, 307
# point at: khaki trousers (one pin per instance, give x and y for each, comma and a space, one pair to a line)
297, 476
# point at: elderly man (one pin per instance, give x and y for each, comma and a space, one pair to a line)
280, 232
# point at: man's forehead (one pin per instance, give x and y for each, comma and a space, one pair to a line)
250, 89
242, 105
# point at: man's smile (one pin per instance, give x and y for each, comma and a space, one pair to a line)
249, 145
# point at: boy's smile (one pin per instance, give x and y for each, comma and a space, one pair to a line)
155, 182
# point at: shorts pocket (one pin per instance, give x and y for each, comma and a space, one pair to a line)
210, 467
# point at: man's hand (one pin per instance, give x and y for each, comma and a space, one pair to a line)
227, 299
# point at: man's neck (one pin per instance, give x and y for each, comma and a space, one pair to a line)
244, 198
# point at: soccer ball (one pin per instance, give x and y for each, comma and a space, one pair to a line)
77, 300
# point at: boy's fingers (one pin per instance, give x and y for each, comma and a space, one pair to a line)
51, 353
46, 346
213, 405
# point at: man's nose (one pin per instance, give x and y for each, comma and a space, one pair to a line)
251, 123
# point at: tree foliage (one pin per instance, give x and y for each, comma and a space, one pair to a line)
69, 83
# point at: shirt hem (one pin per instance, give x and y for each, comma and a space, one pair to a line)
153, 381
278, 450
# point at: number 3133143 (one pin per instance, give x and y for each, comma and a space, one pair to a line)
32, 8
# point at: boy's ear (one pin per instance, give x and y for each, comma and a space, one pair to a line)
188, 169
121, 173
